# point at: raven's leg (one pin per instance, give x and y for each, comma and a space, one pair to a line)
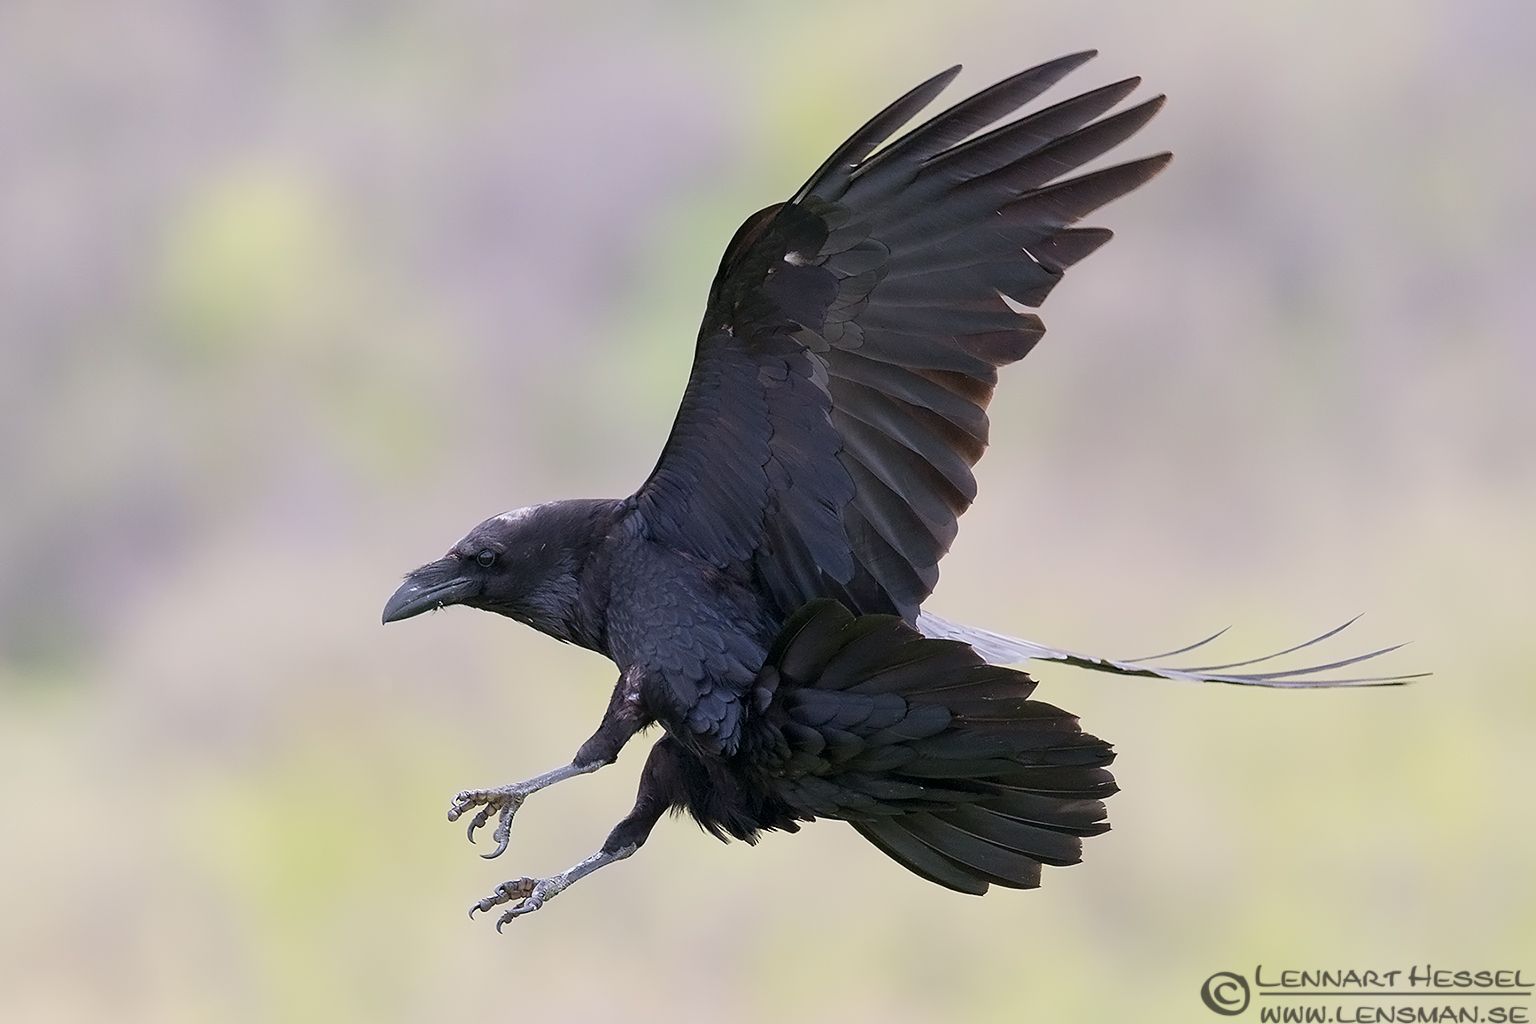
625, 716
658, 791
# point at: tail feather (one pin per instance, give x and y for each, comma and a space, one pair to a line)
1078, 817
994, 862
937, 758
1047, 845
920, 858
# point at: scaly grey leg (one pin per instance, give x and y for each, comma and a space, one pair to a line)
533, 893
505, 800
659, 790
625, 716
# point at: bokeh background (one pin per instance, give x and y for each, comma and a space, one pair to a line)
293, 293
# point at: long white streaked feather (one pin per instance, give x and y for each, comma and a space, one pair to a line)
1000, 649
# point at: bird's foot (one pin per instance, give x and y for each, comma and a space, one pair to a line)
533, 893
530, 894
501, 802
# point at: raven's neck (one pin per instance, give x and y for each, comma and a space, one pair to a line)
575, 609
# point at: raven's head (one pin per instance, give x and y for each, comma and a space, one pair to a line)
525, 564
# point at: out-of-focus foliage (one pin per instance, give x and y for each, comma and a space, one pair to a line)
294, 292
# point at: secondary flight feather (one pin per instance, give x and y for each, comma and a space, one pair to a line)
762, 593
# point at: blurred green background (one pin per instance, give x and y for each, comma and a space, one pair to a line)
295, 292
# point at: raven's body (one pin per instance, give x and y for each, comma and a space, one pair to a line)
770, 722
761, 593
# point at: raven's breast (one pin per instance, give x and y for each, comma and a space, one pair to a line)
696, 635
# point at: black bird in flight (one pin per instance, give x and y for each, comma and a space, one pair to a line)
762, 592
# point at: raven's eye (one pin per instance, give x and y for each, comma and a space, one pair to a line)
486, 558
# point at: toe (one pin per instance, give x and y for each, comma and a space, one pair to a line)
478, 822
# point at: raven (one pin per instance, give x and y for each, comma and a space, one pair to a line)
761, 593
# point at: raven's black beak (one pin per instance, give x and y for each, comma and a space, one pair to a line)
435, 585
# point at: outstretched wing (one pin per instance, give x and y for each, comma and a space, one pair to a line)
838, 396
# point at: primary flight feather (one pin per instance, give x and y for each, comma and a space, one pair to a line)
762, 592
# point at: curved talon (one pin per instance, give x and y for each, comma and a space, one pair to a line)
501, 846
503, 833
526, 907
533, 901
479, 821
530, 894
501, 803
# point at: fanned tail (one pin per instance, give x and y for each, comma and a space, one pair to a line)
937, 758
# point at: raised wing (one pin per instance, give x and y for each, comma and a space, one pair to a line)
838, 396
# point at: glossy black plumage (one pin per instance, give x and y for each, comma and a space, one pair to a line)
935, 756
855, 335
762, 591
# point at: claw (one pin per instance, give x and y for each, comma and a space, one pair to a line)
502, 839
478, 822
530, 894
503, 833
502, 803
533, 892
